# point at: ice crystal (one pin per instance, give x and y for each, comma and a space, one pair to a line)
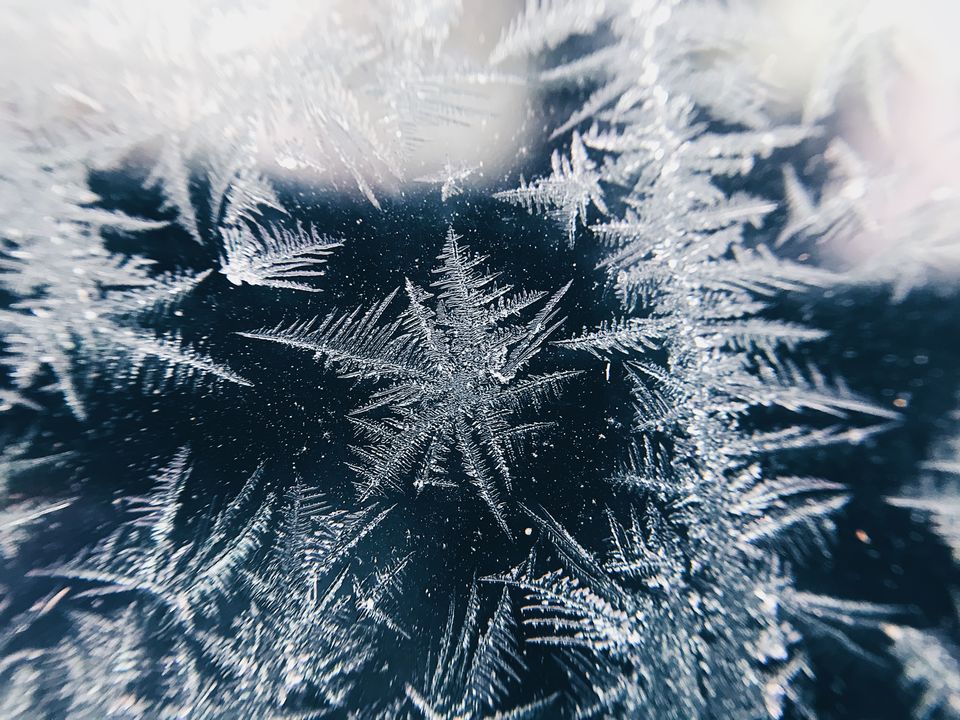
18, 516
452, 377
930, 668
670, 637
473, 669
545, 24
934, 495
912, 243
274, 256
659, 623
101, 661
80, 305
450, 178
301, 634
566, 194
144, 558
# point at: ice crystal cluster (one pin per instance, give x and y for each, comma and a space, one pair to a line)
456, 360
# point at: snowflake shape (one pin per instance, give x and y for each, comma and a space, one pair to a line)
452, 377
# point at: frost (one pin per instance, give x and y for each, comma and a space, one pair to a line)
936, 493
171, 174
691, 50
623, 335
930, 669
19, 517
76, 304
451, 377
275, 256
206, 86
908, 243
143, 557
676, 637
691, 610
79, 305
844, 210
374, 593
545, 24
451, 179
270, 630
258, 252
238, 194
854, 47
566, 194
99, 665
301, 633
677, 544
473, 669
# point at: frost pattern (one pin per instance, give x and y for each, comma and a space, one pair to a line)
451, 178
930, 670
567, 194
300, 635
452, 377
220, 634
273, 605
207, 88
935, 494
473, 669
692, 610
80, 307
275, 256
18, 517
662, 638
913, 241
144, 558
